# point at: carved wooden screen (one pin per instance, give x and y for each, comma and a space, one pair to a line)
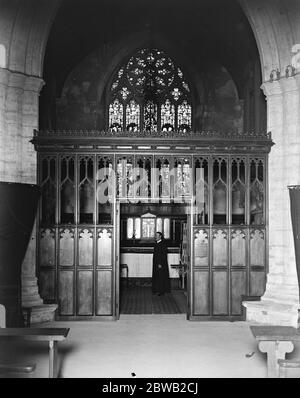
76, 251
229, 234
77, 224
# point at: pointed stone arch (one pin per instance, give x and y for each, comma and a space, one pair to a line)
24, 30
274, 36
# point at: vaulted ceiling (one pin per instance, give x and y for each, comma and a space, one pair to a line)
206, 30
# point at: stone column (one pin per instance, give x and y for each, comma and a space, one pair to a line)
30, 110
280, 303
4, 75
18, 118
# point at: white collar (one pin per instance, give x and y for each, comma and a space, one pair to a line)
158, 241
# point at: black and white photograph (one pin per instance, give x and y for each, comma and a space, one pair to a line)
149, 192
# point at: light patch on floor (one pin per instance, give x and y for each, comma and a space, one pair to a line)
153, 346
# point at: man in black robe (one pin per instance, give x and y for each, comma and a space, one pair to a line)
160, 270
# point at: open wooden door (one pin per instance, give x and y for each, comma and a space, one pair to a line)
187, 238
116, 301
185, 259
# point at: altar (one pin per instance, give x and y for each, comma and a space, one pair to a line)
140, 264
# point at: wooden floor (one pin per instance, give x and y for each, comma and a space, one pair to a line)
140, 300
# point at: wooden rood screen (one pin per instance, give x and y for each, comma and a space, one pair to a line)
221, 180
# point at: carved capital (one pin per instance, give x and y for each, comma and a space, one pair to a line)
271, 88
4, 76
34, 84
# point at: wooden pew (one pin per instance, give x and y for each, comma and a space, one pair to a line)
276, 341
52, 335
14, 369
287, 367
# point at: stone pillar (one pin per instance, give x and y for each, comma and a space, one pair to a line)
18, 118
4, 74
280, 303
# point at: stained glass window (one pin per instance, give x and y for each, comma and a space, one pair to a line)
149, 92
167, 228
116, 115
132, 116
150, 116
137, 231
129, 228
146, 226
168, 116
184, 116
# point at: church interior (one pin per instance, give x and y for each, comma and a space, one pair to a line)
121, 119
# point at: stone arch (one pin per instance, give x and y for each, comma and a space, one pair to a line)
24, 29
273, 32
129, 44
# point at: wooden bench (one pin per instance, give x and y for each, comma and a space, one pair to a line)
12, 369
276, 341
287, 364
52, 335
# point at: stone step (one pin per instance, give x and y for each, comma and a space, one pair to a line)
32, 302
29, 281
30, 290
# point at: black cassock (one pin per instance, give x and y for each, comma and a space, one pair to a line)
160, 276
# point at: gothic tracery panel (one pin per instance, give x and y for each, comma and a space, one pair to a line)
220, 248
48, 189
47, 247
105, 247
66, 247
238, 248
201, 248
86, 190
257, 248
85, 257
67, 189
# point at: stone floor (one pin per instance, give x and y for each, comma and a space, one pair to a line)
151, 346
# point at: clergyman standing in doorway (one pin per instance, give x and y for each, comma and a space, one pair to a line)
160, 270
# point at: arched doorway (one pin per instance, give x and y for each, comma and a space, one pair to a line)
278, 57
145, 100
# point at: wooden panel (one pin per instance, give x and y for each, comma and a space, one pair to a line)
66, 292
238, 288
257, 283
104, 293
201, 248
257, 248
201, 293
66, 247
220, 248
47, 248
85, 293
85, 248
238, 248
47, 284
105, 247
220, 295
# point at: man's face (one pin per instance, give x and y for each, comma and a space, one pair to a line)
157, 237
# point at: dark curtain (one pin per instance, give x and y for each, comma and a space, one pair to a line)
295, 214
18, 205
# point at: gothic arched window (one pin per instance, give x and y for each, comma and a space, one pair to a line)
150, 93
